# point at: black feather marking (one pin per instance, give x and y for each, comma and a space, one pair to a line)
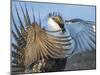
17, 71
21, 24
49, 43
77, 44
19, 39
15, 61
17, 66
17, 30
74, 20
15, 47
75, 48
63, 44
52, 52
56, 49
42, 52
81, 42
15, 54
49, 15
39, 20
90, 40
60, 40
91, 43
91, 37
33, 15
91, 33
15, 36
25, 18
58, 36
53, 13
27, 14
46, 49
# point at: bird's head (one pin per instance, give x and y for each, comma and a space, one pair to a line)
56, 21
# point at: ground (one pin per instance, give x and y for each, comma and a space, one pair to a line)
82, 61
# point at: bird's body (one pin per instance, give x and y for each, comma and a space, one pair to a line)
55, 30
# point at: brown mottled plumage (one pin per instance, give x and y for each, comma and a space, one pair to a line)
35, 50
41, 45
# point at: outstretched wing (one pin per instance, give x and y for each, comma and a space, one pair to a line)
32, 43
41, 45
84, 34
19, 36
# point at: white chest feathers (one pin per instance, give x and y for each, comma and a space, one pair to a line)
52, 25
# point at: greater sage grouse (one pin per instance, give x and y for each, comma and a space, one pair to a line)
39, 49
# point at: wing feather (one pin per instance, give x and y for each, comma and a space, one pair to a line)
83, 34
40, 44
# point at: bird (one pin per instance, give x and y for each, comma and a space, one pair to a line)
37, 49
